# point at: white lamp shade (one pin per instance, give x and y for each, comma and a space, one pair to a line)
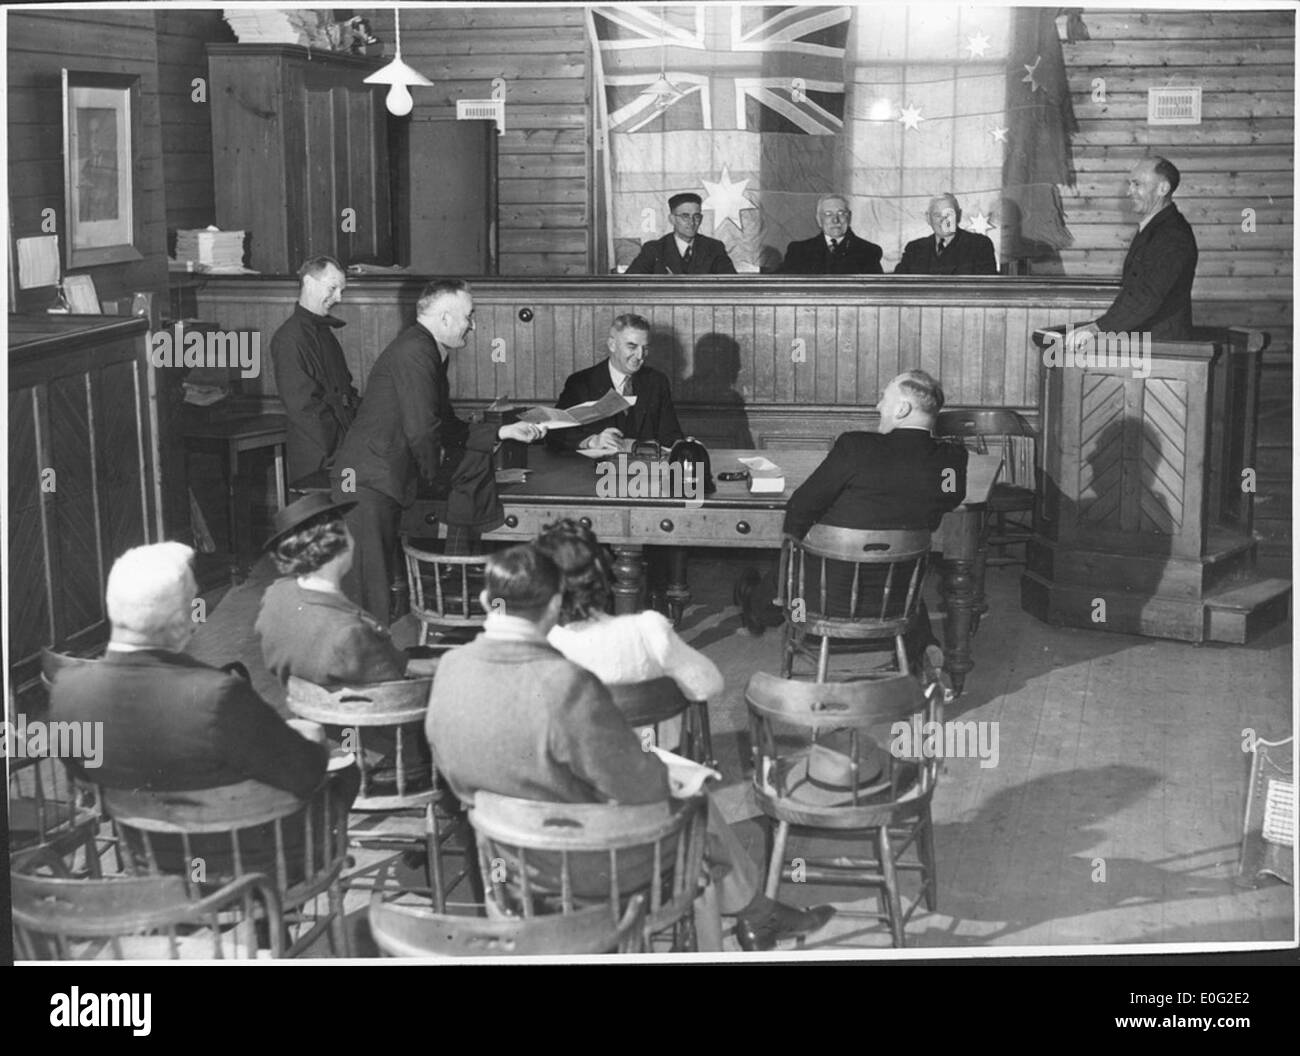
397, 72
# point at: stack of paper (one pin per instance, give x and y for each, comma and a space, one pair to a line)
765, 476
258, 25
209, 249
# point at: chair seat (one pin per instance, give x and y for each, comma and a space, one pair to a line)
1005, 498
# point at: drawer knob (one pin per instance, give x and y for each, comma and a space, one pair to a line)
585, 521
666, 525
512, 521
431, 519
742, 527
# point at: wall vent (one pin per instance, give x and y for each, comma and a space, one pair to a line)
1173, 106
495, 110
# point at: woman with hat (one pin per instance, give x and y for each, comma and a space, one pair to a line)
308, 626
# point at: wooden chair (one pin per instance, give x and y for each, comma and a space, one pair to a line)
58, 917
891, 815
217, 829
398, 706
652, 704
543, 858
845, 583
412, 931
1010, 507
444, 594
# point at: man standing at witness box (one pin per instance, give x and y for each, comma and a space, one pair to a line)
407, 436
685, 251
311, 375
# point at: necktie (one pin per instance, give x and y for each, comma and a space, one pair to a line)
939, 247
686, 257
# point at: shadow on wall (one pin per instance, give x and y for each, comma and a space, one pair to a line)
711, 377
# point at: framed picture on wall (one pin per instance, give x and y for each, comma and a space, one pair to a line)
100, 111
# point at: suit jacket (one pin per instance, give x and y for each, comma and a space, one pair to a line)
652, 418
172, 723
315, 385
406, 427
882, 481
324, 638
660, 257
967, 254
1159, 269
812, 256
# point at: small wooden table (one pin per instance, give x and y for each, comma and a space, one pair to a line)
234, 436
564, 485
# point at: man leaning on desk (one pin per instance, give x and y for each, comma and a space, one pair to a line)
652, 417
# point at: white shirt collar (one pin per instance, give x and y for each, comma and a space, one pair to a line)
682, 246
127, 647
617, 376
502, 627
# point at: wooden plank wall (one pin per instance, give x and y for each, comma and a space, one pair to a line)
186, 124
107, 41
543, 160
1242, 155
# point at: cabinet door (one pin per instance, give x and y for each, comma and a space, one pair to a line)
346, 209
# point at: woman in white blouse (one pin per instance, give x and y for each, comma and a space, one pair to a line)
617, 649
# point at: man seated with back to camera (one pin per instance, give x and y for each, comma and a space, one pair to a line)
899, 477
172, 724
510, 714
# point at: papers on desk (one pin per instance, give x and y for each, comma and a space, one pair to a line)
553, 418
685, 776
765, 476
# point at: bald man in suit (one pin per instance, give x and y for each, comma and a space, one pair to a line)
950, 250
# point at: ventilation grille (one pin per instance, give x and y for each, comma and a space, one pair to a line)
1173, 106
493, 110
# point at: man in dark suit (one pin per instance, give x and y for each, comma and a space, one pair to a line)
510, 714
837, 250
651, 418
173, 724
311, 375
684, 252
406, 434
1160, 267
897, 477
950, 250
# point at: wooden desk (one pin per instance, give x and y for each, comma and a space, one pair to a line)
234, 436
564, 485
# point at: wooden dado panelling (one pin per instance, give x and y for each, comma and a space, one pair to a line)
763, 360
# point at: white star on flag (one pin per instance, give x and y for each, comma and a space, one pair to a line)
726, 199
979, 223
1029, 77
911, 117
999, 134
978, 45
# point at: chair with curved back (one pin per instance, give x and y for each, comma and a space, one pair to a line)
59, 917
653, 705
397, 706
218, 835
444, 595
842, 584
1015, 439
890, 814
543, 858
413, 931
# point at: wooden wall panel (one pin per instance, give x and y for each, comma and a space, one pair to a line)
40, 45
1241, 156
544, 155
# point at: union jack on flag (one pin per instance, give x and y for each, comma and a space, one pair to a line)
759, 69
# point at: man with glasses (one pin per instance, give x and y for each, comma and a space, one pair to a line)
837, 250
685, 251
949, 250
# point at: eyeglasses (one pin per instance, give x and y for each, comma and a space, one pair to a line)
840, 215
696, 217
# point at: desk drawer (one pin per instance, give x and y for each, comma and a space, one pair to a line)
706, 527
609, 525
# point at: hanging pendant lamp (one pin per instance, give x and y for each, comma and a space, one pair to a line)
399, 76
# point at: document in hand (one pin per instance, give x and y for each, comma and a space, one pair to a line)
583, 414
685, 776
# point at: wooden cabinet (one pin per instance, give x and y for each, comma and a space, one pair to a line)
82, 481
300, 154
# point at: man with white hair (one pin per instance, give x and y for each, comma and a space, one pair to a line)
407, 438
171, 723
837, 250
950, 250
